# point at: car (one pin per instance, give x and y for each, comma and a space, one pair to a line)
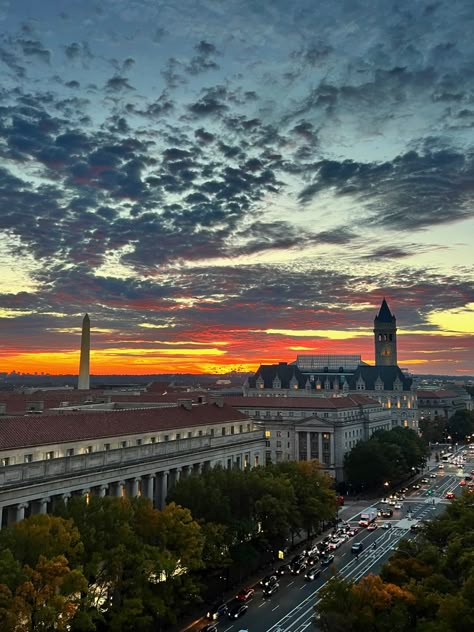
468, 477
449, 495
217, 610
462, 483
298, 558
404, 490
432, 475
313, 573
210, 627
441, 466
354, 531
372, 526
313, 551
416, 486
245, 594
298, 567
388, 513
357, 547
398, 506
284, 569
237, 609
424, 481
268, 591
392, 502
329, 559
332, 546
415, 527
386, 525
268, 580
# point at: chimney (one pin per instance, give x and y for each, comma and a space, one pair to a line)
185, 403
35, 407
83, 383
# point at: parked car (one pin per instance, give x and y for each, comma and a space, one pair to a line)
298, 558
237, 609
217, 610
270, 590
312, 573
245, 594
354, 531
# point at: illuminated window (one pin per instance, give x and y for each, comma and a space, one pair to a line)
267, 434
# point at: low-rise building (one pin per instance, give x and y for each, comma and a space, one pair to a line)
307, 428
434, 403
48, 457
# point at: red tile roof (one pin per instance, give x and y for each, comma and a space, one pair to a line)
316, 403
435, 394
46, 429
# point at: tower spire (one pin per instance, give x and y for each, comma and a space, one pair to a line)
83, 383
385, 336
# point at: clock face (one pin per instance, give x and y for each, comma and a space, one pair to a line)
386, 351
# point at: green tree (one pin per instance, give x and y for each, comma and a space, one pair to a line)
461, 424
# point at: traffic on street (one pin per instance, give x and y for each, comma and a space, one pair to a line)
364, 539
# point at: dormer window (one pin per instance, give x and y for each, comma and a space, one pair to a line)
259, 382
360, 384
277, 382
378, 384
294, 383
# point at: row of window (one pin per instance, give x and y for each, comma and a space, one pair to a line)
29, 458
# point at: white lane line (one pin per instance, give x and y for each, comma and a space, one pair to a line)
273, 609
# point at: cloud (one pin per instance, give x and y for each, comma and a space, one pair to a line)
202, 61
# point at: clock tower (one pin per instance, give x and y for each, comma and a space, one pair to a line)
385, 337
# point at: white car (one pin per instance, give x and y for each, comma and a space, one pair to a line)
398, 506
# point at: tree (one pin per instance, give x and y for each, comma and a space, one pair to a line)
461, 424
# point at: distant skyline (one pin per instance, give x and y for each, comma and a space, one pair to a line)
221, 184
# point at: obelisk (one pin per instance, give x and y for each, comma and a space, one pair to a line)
83, 382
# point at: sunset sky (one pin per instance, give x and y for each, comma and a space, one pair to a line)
224, 183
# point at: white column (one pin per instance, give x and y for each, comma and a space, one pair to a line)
103, 490
148, 485
164, 488
119, 489
1, 515
320, 446
44, 505
308, 446
136, 486
20, 511
331, 449
66, 497
178, 473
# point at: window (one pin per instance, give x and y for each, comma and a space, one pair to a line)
190, 434
232, 430
28, 458
248, 427
241, 428
152, 439
257, 413
267, 434
278, 433
89, 449
70, 452
212, 432
5, 461
223, 431
139, 441
267, 444
49, 456
106, 447
200, 433
278, 444
123, 444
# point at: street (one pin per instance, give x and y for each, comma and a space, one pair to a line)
291, 608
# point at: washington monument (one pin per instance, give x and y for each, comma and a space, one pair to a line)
83, 382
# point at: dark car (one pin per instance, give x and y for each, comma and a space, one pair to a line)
268, 580
387, 513
245, 594
298, 558
329, 559
415, 527
210, 627
237, 609
284, 569
357, 547
298, 567
217, 610
268, 591
312, 573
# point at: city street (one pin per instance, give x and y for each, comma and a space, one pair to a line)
291, 608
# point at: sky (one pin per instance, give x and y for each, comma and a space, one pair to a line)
224, 183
